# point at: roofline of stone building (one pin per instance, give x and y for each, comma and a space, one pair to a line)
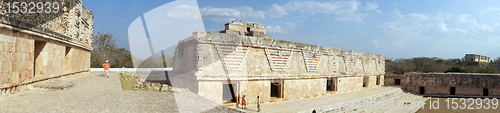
202, 37
20, 26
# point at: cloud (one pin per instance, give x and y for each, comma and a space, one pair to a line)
312, 7
276, 11
356, 18
184, 12
372, 6
345, 10
488, 9
229, 14
464, 19
276, 29
429, 35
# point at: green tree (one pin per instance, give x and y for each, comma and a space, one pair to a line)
456, 69
105, 49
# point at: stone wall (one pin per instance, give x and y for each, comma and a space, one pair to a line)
303, 88
251, 64
465, 84
39, 46
219, 55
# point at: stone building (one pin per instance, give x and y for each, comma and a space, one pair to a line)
448, 84
477, 58
39, 46
243, 60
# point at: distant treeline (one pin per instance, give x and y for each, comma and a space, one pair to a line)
434, 64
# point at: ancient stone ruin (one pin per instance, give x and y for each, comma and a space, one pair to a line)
448, 84
244, 60
39, 46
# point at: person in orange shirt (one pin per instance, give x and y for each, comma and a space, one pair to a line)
106, 68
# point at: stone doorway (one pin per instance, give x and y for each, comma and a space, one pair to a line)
397, 81
422, 90
38, 58
452, 90
228, 93
276, 90
485, 91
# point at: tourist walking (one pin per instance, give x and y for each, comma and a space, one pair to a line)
243, 102
258, 104
106, 68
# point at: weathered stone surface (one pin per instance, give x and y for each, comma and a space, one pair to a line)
465, 84
37, 46
205, 62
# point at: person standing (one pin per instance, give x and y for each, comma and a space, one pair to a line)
106, 68
258, 104
243, 102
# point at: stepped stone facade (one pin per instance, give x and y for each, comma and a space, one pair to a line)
448, 84
225, 66
40, 46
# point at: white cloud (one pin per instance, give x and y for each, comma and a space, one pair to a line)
185, 12
357, 18
312, 7
429, 35
361, 32
464, 19
488, 9
276, 11
229, 14
372, 6
276, 29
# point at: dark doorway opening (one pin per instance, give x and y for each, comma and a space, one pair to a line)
397, 81
365, 81
248, 29
329, 85
422, 90
228, 94
39, 45
275, 90
67, 60
485, 91
378, 80
452, 90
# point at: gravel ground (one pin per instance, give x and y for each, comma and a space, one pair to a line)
94, 93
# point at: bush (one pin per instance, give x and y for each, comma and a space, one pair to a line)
456, 69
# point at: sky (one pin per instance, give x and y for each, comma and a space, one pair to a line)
396, 29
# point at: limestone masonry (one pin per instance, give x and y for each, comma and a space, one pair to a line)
448, 84
244, 60
477, 58
39, 46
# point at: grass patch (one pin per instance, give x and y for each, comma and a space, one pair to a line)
428, 101
128, 83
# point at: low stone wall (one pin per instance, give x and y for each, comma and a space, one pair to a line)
445, 84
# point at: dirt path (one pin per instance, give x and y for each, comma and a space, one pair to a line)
93, 93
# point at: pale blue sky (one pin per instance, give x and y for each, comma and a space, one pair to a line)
396, 29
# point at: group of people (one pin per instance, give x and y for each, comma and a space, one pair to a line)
244, 103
